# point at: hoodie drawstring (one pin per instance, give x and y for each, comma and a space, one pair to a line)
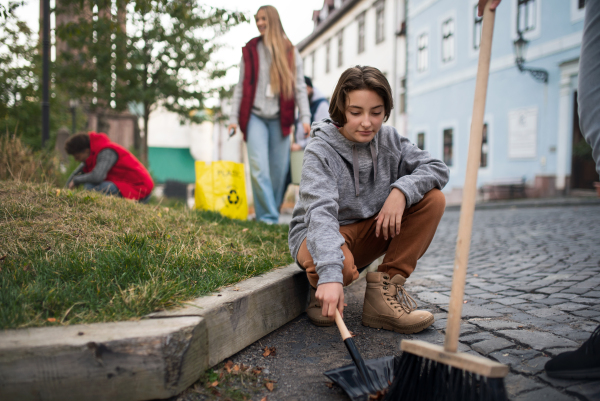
355, 168
374, 156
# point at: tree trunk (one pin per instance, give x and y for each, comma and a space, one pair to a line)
144, 152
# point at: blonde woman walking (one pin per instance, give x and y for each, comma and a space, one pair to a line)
271, 84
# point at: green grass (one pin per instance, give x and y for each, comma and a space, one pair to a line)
80, 257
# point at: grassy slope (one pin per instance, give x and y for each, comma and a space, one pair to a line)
80, 257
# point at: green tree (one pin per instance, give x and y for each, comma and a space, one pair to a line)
20, 84
146, 52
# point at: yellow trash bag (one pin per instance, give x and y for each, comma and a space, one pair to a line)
221, 186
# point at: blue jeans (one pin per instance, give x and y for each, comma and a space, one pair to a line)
106, 187
269, 156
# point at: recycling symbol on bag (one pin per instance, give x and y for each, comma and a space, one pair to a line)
233, 197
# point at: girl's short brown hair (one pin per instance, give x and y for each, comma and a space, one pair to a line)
357, 78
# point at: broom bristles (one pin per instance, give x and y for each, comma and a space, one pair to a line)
421, 379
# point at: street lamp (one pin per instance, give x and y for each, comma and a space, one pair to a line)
520, 46
73, 103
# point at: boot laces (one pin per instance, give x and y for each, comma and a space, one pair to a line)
402, 299
592, 345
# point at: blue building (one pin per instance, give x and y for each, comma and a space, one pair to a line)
531, 127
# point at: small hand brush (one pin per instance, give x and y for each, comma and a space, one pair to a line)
363, 371
432, 372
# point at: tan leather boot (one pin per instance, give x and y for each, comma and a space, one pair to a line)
388, 306
314, 311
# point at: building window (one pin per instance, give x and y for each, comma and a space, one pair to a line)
422, 41
340, 55
526, 10
477, 21
448, 40
580, 4
327, 55
379, 22
361, 32
484, 147
403, 96
448, 148
421, 140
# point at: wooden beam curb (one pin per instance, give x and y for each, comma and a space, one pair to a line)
137, 360
157, 357
248, 311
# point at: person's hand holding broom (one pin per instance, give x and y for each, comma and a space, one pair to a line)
331, 297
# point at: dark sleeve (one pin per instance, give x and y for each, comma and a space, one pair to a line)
105, 161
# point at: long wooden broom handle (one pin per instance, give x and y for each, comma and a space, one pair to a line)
467, 209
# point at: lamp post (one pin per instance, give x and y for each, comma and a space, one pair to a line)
73, 103
520, 47
46, 73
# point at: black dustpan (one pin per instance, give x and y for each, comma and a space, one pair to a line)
381, 372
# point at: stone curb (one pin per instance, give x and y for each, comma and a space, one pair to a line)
157, 357
532, 203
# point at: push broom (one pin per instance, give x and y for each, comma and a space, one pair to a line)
431, 372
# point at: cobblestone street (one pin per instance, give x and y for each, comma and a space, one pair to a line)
533, 291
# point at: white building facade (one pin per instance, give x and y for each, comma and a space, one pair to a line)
359, 32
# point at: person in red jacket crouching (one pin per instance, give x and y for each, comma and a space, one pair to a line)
108, 168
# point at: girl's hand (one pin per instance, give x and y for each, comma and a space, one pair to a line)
306, 127
231, 126
482, 3
389, 218
331, 296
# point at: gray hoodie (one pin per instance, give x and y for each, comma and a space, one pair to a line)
344, 182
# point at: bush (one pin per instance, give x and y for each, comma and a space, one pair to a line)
19, 162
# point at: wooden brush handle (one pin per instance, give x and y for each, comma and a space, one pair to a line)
341, 325
467, 209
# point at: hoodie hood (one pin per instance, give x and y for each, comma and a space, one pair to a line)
351, 152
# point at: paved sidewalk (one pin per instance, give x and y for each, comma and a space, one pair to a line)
533, 291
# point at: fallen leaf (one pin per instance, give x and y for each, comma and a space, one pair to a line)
269, 386
330, 385
159, 215
214, 384
228, 366
244, 230
236, 368
464, 302
352, 334
244, 367
51, 319
236, 289
257, 371
475, 275
263, 399
221, 375
269, 351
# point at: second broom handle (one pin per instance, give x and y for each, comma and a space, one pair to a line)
467, 209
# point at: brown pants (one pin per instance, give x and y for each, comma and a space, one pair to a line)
418, 227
